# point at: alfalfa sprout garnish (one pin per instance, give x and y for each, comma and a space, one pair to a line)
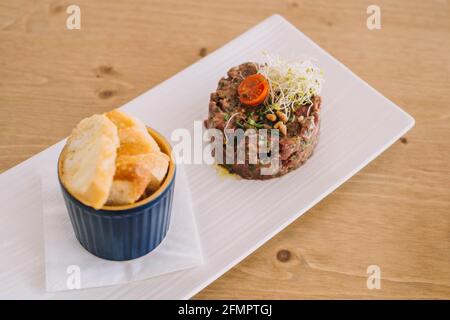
292, 84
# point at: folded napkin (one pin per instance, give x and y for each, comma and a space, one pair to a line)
69, 266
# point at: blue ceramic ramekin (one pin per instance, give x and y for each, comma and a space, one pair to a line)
129, 231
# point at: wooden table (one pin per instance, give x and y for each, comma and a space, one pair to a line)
395, 213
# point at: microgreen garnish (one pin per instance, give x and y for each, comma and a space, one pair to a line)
292, 84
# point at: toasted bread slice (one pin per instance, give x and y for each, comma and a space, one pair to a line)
88, 160
138, 161
159, 162
133, 135
134, 173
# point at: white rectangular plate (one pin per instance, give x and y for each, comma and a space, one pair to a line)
234, 217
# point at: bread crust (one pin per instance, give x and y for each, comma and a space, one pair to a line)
133, 135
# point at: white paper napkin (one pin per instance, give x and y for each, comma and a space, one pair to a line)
69, 266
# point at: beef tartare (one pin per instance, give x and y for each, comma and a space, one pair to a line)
275, 95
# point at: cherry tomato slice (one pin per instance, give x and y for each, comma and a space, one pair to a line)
253, 90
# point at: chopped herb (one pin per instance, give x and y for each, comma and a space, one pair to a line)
240, 124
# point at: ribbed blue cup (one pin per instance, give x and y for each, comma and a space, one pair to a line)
124, 232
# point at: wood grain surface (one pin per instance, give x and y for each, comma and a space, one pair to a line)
395, 213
